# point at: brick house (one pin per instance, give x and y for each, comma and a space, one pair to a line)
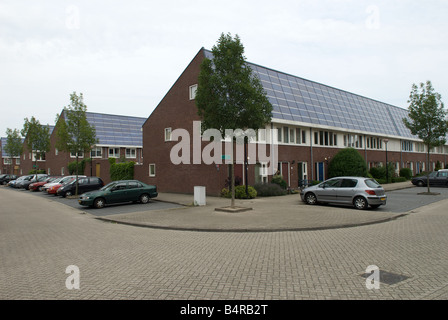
8, 165
120, 137
310, 123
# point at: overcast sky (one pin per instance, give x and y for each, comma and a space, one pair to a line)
125, 55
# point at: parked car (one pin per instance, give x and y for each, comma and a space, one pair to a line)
37, 186
357, 191
5, 178
84, 185
436, 179
119, 192
60, 181
26, 183
17, 183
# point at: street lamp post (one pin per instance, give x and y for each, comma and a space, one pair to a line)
387, 169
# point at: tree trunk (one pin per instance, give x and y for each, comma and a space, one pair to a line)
76, 181
427, 176
232, 184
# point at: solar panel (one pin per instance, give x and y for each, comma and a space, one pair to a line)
298, 99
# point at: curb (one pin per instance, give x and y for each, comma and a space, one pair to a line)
252, 230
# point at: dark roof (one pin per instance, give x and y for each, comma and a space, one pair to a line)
116, 130
297, 99
4, 153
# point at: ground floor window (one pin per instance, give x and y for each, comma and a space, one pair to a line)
152, 170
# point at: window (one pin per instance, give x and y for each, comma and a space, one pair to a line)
56, 151
292, 136
316, 138
298, 136
152, 170
96, 153
131, 153
303, 136
7, 161
73, 154
167, 134
285, 135
279, 134
192, 91
114, 152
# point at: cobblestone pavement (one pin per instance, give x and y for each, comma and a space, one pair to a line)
40, 239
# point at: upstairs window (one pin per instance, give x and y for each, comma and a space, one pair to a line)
193, 89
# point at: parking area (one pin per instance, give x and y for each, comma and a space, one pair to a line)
108, 210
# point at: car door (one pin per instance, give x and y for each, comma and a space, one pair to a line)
346, 191
119, 193
327, 191
134, 190
441, 178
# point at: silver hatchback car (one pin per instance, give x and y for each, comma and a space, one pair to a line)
357, 191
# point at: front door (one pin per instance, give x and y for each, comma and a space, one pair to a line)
98, 170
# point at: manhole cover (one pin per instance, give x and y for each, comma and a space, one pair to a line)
389, 278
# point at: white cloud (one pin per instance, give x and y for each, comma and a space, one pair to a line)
124, 56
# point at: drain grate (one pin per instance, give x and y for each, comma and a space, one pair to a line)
387, 277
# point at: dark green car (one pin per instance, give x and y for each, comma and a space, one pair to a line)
119, 192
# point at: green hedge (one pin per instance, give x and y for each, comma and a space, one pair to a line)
240, 192
278, 180
269, 190
81, 167
122, 171
406, 173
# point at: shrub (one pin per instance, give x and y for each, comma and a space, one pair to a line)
380, 172
347, 162
406, 173
240, 192
39, 171
122, 171
81, 166
269, 190
278, 179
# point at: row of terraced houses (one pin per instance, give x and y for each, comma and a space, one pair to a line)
310, 123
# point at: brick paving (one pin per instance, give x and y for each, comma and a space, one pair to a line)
39, 238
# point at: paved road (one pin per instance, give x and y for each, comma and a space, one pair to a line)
40, 239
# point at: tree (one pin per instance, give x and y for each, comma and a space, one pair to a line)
347, 162
74, 133
37, 138
427, 117
14, 144
229, 96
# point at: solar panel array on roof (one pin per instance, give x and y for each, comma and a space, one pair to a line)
4, 141
298, 99
116, 130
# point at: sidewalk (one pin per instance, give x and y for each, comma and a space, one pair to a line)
285, 213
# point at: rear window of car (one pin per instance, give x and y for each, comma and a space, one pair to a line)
372, 183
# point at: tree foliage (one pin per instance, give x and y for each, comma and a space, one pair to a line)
427, 117
37, 137
74, 133
14, 144
229, 95
347, 162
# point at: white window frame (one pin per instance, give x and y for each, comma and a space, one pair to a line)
192, 91
73, 154
152, 169
114, 154
167, 135
95, 150
131, 156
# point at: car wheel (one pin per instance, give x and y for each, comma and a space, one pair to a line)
144, 198
310, 198
420, 183
360, 203
99, 203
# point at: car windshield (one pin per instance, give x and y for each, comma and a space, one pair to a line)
372, 183
433, 174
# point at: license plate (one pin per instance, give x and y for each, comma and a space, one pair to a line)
383, 199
